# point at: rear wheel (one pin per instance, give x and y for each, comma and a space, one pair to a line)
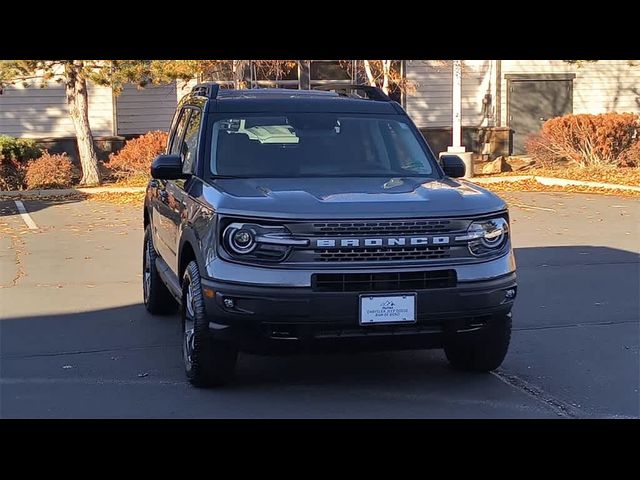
157, 298
480, 351
207, 362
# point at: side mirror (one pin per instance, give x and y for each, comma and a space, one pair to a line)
167, 167
453, 166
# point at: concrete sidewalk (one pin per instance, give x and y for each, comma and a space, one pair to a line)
553, 181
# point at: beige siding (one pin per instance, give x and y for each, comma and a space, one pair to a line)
35, 112
144, 110
430, 105
602, 86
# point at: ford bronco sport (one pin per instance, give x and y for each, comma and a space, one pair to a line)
309, 219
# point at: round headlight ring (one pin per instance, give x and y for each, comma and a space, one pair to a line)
241, 240
494, 241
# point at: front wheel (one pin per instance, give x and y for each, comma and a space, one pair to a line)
207, 362
481, 351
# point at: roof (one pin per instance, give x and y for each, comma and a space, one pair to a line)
288, 100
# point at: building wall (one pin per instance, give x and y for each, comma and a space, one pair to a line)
140, 111
599, 87
430, 103
33, 112
602, 86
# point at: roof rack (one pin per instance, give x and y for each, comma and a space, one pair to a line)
371, 93
206, 89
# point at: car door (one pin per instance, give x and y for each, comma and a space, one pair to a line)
164, 211
177, 190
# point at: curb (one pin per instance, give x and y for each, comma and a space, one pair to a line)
552, 181
35, 194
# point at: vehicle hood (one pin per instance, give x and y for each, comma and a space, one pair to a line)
359, 197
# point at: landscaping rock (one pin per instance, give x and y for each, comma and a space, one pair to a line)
515, 164
493, 167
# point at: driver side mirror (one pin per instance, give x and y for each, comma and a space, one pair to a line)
453, 166
168, 167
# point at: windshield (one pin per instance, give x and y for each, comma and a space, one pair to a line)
317, 145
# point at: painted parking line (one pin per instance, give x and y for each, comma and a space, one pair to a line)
25, 215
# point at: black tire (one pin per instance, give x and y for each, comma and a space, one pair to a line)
157, 298
207, 362
481, 351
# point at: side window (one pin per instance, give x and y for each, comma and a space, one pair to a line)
176, 140
190, 144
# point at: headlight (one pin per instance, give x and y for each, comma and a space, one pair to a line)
241, 240
486, 236
259, 242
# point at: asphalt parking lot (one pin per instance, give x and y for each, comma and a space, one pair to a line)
76, 341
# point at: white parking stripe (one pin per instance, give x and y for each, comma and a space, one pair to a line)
25, 215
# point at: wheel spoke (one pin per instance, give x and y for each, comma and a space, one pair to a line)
189, 301
188, 344
147, 270
189, 324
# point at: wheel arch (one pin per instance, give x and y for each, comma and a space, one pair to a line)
189, 250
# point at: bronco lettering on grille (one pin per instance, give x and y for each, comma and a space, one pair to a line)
380, 242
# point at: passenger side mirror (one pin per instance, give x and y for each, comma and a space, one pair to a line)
168, 167
453, 166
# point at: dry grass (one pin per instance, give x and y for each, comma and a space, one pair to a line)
119, 198
605, 174
131, 181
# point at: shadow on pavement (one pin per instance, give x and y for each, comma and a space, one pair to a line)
8, 206
574, 326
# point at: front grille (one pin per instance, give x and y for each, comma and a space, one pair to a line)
381, 254
377, 282
413, 227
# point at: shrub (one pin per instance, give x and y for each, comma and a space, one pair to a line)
631, 156
19, 149
11, 173
134, 159
50, 171
15, 153
586, 140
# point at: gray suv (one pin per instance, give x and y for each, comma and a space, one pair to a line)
281, 220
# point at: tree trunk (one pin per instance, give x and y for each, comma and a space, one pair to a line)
386, 67
367, 69
238, 67
78, 101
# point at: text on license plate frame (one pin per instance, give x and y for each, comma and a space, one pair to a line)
402, 297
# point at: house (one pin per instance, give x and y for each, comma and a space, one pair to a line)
503, 101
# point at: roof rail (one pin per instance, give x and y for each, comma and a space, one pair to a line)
206, 89
371, 93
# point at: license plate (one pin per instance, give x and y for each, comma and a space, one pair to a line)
387, 309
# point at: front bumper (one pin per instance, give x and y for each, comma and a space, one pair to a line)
270, 315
